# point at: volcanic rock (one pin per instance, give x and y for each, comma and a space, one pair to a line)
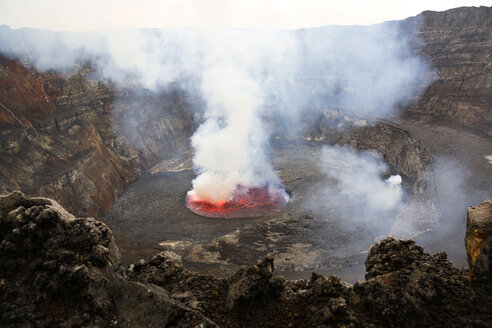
407, 287
479, 244
58, 270
251, 285
60, 137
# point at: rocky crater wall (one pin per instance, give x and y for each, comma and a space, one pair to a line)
457, 43
61, 136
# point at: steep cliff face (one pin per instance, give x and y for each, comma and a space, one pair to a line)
58, 152
59, 136
458, 44
23, 96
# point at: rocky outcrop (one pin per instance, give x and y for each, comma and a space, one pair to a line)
58, 270
479, 244
404, 287
457, 43
423, 289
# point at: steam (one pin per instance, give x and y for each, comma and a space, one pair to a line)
229, 144
249, 81
458, 185
358, 178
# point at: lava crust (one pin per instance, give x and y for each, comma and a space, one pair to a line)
246, 202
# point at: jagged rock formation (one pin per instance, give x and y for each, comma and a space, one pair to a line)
58, 270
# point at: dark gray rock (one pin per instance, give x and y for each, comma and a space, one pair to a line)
58, 270
253, 285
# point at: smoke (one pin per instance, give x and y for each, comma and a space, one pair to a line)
458, 185
247, 80
365, 71
229, 144
357, 179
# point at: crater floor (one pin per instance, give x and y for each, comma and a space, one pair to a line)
311, 233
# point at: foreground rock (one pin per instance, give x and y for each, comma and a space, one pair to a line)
57, 270
479, 244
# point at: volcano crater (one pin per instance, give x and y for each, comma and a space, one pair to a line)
310, 233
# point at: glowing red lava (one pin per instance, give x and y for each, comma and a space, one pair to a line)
251, 202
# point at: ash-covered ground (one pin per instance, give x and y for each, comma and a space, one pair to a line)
152, 209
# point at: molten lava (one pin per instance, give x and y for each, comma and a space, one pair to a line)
246, 202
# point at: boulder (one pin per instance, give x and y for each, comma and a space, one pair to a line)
478, 242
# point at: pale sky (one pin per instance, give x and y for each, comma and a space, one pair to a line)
258, 14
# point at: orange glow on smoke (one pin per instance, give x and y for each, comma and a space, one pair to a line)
251, 202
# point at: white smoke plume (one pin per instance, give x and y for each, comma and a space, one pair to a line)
359, 178
244, 75
229, 144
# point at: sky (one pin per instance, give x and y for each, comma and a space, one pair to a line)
258, 14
